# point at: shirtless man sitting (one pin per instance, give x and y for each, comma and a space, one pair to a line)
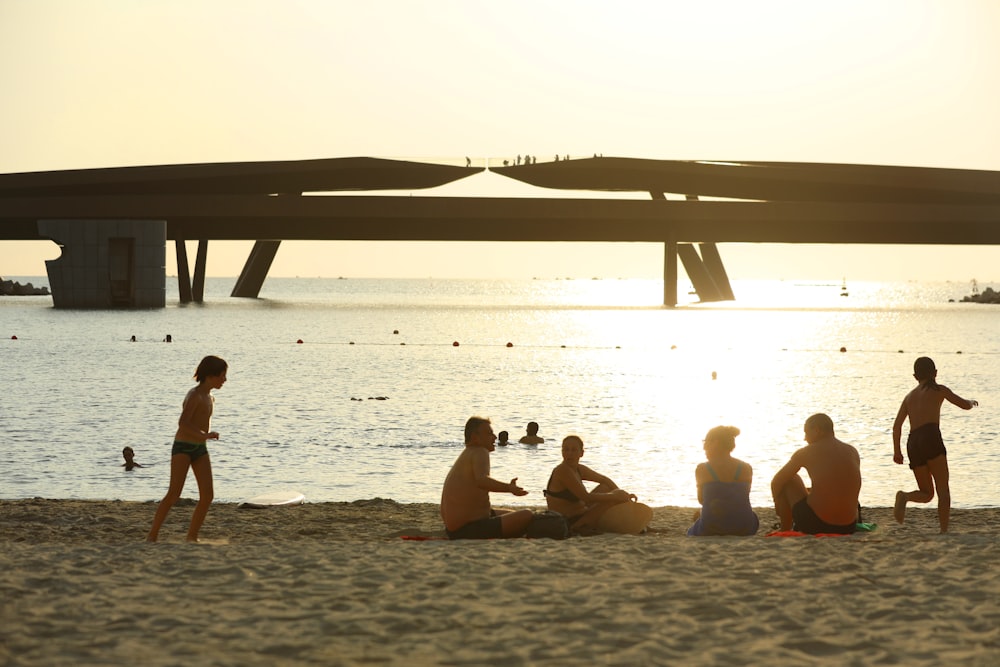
465, 499
834, 467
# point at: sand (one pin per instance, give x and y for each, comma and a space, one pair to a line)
334, 584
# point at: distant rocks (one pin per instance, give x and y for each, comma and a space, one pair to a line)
988, 295
13, 288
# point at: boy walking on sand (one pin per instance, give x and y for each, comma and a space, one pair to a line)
190, 451
924, 445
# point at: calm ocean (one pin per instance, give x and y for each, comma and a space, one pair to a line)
639, 383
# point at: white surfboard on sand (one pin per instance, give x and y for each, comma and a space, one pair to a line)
273, 499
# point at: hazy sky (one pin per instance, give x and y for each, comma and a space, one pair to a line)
108, 83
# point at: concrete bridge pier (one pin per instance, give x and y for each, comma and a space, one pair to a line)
707, 272
670, 274
198, 282
255, 270
716, 270
191, 290
183, 273
106, 263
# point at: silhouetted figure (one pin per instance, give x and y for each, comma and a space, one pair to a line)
129, 457
465, 498
924, 444
531, 436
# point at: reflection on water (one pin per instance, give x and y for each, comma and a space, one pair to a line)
641, 384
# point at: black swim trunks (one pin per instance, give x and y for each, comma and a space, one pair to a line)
924, 444
806, 521
482, 529
195, 451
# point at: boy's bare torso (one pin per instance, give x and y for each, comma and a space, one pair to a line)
196, 416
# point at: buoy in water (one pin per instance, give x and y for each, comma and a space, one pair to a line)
299, 341
455, 344
509, 344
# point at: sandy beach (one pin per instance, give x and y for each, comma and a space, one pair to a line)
335, 584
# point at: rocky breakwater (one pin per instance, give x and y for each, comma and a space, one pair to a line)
988, 295
14, 288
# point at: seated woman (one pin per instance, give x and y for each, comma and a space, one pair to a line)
605, 509
723, 488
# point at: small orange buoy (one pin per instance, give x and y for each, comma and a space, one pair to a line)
13, 337
455, 344
299, 341
509, 344
843, 349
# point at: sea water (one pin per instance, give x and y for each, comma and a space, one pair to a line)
373, 400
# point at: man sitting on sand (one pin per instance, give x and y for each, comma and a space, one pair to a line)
834, 467
465, 499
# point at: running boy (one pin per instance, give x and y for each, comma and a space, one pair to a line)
924, 445
190, 451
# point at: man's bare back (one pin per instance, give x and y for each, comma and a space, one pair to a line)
834, 469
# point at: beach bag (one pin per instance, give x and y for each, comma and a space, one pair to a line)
546, 523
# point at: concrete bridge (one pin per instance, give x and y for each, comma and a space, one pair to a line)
113, 224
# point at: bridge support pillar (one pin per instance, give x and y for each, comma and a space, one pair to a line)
198, 284
183, 273
670, 274
713, 264
699, 275
255, 270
